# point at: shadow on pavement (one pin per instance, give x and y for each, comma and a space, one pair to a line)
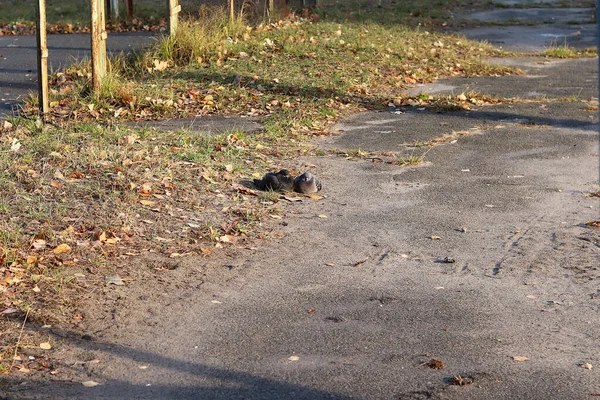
191, 380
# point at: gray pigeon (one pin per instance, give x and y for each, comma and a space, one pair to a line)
307, 183
281, 180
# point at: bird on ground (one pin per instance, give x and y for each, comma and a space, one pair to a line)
281, 180
307, 183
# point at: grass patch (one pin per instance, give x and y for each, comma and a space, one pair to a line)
566, 51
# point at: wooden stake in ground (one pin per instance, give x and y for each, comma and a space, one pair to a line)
174, 9
42, 55
98, 43
114, 9
130, 8
232, 10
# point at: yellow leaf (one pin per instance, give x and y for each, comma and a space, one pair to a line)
31, 259
226, 239
314, 196
45, 346
36, 289
63, 248
436, 238
520, 358
148, 202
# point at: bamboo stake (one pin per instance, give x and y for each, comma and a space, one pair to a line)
232, 10
42, 55
174, 9
98, 43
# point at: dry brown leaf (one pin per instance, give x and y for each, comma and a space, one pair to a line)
520, 358
45, 346
436, 238
227, 239
245, 190
63, 248
39, 244
314, 196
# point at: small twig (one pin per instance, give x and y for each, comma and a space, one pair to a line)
356, 264
19, 339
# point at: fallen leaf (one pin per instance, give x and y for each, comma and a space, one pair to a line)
10, 310
36, 289
520, 358
15, 145
227, 239
45, 346
216, 302
532, 296
63, 248
245, 190
587, 365
114, 280
291, 199
23, 369
293, 358
39, 244
147, 202
460, 381
55, 184
435, 238
314, 196
434, 364
90, 383
159, 65
322, 216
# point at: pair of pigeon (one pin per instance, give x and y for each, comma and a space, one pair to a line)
283, 181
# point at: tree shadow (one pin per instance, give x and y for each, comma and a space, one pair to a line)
191, 380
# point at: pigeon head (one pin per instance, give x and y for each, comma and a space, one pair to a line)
284, 172
307, 176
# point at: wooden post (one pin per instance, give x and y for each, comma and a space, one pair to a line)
130, 8
42, 55
270, 10
114, 9
232, 10
174, 9
98, 43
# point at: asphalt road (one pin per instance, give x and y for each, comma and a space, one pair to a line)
18, 65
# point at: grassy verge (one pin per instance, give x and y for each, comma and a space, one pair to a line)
83, 191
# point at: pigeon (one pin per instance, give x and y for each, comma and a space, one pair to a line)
281, 180
307, 183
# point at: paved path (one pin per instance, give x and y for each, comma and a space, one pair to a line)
18, 65
351, 306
